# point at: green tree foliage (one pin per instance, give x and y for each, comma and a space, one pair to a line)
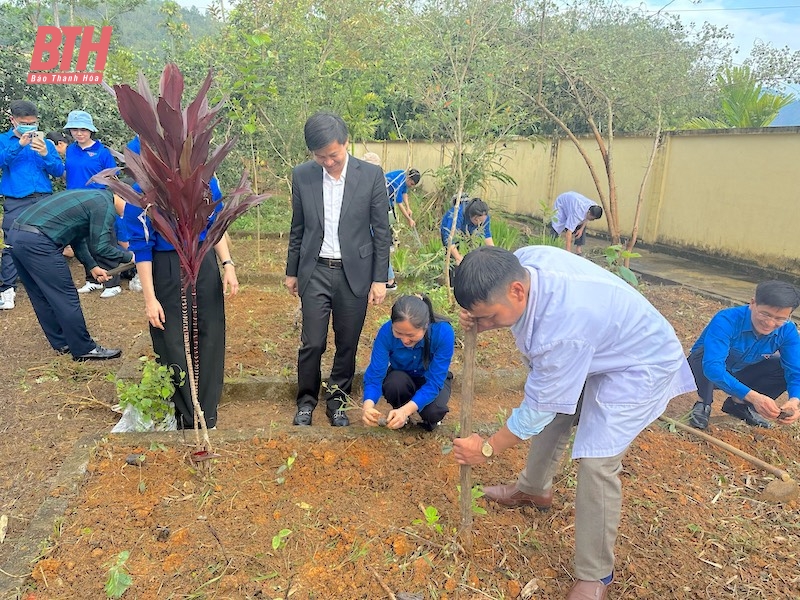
743, 102
599, 67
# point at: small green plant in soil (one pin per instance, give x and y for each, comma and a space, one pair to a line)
475, 493
432, 518
150, 397
616, 256
279, 539
119, 580
287, 466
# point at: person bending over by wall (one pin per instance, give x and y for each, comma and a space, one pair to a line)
472, 218
397, 184
572, 212
410, 366
752, 353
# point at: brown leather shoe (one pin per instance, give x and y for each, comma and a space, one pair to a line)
587, 590
512, 497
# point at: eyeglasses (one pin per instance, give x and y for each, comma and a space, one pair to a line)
768, 317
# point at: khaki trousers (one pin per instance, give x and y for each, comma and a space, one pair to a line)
598, 497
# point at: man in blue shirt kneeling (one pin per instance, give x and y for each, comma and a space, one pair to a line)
752, 353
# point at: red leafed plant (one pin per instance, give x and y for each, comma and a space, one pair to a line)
173, 170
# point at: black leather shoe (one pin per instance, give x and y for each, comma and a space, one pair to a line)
303, 416
700, 415
745, 412
338, 418
100, 353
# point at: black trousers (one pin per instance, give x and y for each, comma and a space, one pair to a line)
45, 274
399, 387
766, 377
326, 294
578, 241
168, 344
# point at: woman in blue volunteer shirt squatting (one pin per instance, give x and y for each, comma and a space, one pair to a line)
473, 216
160, 276
84, 158
410, 366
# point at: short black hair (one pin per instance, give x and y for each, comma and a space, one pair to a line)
476, 208
413, 175
778, 294
324, 128
57, 137
23, 108
596, 211
484, 274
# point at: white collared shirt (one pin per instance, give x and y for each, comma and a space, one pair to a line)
332, 196
585, 325
570, 211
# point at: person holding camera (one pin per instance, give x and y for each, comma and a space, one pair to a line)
27, 161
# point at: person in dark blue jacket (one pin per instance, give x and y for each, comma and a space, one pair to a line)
752, 353
410, 366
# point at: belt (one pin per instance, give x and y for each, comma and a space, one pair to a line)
28, 228
331, 263
33, 195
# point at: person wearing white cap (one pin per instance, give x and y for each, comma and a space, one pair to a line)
85, 158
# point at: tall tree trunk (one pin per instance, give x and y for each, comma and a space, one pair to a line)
640, 197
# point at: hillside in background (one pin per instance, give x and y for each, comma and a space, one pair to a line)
142, 28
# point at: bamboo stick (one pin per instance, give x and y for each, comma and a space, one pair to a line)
467, 389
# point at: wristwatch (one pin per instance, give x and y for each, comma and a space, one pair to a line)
228, 262
487, 449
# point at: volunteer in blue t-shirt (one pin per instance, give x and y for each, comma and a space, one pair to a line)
473, 216
410, 366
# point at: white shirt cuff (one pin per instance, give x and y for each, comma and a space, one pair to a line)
525, 422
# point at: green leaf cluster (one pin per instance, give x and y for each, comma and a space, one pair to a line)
119, 580
151, 396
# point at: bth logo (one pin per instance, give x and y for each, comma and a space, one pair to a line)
55, 47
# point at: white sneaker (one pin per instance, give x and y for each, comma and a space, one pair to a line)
111, 292
90, 287
135, 285
7, 298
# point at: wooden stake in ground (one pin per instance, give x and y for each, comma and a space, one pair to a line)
467, 389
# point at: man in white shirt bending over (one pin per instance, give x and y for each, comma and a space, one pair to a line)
598, 351
572, 212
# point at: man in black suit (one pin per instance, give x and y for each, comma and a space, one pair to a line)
338, 259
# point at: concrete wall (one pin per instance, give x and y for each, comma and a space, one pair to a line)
732, 194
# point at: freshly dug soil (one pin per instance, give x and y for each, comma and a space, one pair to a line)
361, 511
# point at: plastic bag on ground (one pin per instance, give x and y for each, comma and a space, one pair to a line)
133, 420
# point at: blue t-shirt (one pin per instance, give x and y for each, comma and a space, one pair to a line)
729, 344
84, 163
388, 351
463, 225
23, 170
396, 186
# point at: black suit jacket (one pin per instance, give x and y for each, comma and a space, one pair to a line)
364, 235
